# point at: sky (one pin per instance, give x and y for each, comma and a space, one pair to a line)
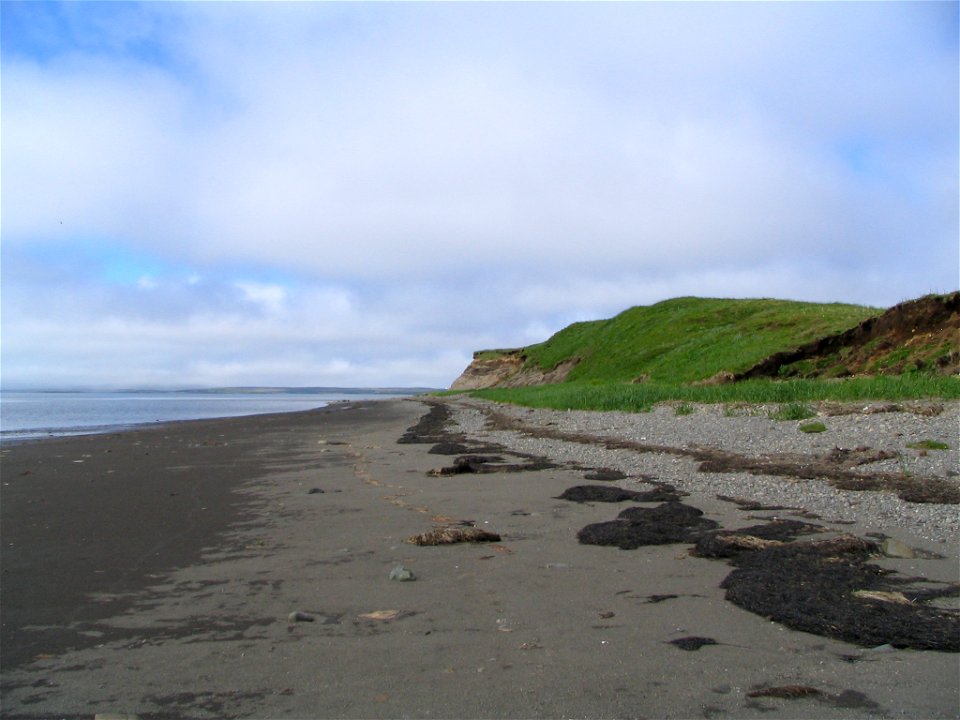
362, 194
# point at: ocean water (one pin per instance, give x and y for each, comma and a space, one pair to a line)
27, 415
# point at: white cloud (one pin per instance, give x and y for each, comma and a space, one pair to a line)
439, 178
271, 297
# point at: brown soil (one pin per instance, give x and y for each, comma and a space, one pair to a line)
919, 335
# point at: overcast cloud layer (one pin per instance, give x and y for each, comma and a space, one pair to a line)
364, 193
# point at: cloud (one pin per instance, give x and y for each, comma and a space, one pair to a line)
390, 186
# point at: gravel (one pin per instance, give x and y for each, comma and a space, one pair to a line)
750, 431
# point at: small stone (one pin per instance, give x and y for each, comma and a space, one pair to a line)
297, 616
401, 574
896, 549
314, 491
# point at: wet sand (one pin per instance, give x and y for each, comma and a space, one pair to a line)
153, 573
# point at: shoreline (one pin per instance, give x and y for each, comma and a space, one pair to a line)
155, 573
31, 415
17, 437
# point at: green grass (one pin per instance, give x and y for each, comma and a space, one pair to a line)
793, 411
640, 398
928, 445
688, 339
814, 427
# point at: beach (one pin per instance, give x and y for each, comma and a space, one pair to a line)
242, 567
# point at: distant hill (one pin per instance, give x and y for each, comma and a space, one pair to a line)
702, 340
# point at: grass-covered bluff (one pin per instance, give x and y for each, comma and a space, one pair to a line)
666, 352
689, 339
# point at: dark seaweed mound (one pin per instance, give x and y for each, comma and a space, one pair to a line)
482, 464
726, 543
672, 522
430, 428
692, 643
817, 587
604, 493
597, 493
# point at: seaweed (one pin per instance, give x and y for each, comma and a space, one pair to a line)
693, 643
482, 464
671, 522
827, 588
730, 543
452, 535
431, 427
604, 493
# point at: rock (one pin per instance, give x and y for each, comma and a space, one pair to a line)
380, 615
401, 574
298, 616
314, 491
896, 549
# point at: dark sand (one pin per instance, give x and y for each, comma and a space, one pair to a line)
152, 573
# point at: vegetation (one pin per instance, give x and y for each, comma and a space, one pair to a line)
689, 350
689, 339
793, 411
814, 427
640, 398
928, 445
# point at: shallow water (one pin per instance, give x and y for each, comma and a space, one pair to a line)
26, 415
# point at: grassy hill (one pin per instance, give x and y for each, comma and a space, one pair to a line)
688, 339
710, 350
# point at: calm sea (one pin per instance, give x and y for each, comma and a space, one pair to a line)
25, 415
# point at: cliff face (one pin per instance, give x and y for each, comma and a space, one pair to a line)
488, 371
506, 369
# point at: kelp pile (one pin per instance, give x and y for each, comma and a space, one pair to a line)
825, 586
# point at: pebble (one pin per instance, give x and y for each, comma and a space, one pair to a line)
896, 549
401, 574
298, 616
750, 431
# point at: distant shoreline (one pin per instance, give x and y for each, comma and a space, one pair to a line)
34, 415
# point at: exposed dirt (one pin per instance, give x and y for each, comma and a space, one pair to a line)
919, 335
489, 371
507, 368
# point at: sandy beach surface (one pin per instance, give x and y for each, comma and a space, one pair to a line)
242, 567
